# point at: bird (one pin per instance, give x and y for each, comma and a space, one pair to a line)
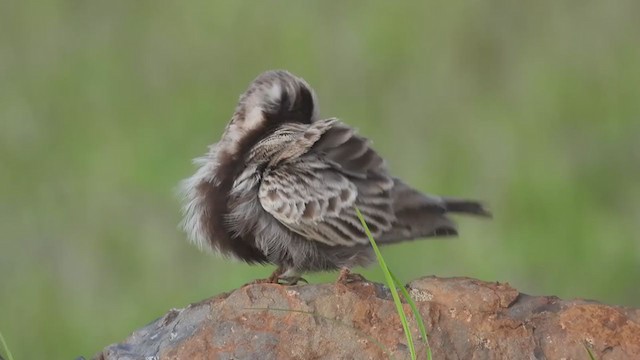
282, 185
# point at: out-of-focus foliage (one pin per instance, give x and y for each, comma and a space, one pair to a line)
532, 106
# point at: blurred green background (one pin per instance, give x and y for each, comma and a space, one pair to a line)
533, 107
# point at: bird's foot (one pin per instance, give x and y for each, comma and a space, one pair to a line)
347, 277
280, 276
289, 277
291, 280
275, 275
272, 279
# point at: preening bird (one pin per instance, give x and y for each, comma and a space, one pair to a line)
282, 186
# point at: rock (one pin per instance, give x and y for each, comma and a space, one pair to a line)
465, 319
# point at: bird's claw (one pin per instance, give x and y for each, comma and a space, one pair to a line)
278, 278
291, 280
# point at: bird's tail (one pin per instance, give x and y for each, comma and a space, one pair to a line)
466, 207
421, 215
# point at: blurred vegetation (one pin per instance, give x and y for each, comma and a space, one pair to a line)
533, 107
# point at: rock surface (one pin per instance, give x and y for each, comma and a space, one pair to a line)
465, 319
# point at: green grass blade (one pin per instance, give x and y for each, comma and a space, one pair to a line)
416, 314
6, 348
392, 287
360, 332
591, 356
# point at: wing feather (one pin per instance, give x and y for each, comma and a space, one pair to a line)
318, 180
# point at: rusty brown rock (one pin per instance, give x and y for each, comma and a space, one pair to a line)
465, 319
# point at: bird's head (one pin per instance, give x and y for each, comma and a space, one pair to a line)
275, 97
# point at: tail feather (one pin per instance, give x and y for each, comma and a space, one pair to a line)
421, 215
466, 207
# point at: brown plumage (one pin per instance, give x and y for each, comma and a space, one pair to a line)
282, 184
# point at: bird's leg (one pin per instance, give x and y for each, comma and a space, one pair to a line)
291, 280
275, 275
280, 276
346, 277
272, 279
290, 277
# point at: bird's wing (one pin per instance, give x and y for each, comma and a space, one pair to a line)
313, 185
